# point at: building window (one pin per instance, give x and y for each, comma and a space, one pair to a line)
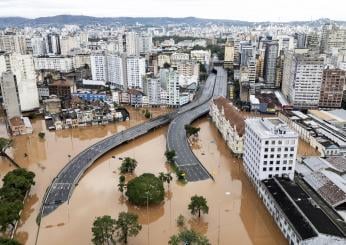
264, 169
266, 142
272, 156
277, 168
289, 168
265, 163
280, 142
265, 149
271, 162
286, 148
277, 162
270, 169
284, 168
265, 156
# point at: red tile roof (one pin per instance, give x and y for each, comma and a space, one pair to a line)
232, 115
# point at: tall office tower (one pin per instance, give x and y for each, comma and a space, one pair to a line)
135, 72
10, 94
10, 42
270, 149
53, 44
38, 45
154, 91
251, 64
332, 88
173, 92
313, 41
246, 52
300, 40
229, 54
98, 66
260, 63
270, 59
236, 51
279, 69
132, 44
22, 67
302, 78
145, 43
115, 70
332, 37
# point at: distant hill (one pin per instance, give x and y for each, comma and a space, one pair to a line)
154, 21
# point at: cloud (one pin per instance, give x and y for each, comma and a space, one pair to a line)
252, 10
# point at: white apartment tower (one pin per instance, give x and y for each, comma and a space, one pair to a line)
132, 44
38, 45
10, 95
173, 91
98, 67
154, 91
115, 70
135, 72
270, 149
145, 43
22, 67
302, 79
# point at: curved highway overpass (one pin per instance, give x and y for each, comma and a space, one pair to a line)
176, 136
64, 183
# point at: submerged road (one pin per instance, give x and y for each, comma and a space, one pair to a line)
176, 136
64, 183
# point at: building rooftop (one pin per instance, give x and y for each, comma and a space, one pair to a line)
316, 216
298, 221
232, 115
270, 127
61, 83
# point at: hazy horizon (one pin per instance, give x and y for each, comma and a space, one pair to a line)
252, 11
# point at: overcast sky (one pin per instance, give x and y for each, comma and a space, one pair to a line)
251, 10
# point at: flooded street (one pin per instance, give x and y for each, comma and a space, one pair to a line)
236, 214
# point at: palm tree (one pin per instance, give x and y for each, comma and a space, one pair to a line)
169, 178
128, 165
198, 204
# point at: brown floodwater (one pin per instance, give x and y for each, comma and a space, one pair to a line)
236, 214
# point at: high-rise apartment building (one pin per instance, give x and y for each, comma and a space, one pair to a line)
135, 72
132, 44
270, 58
145, 43
302, 78
313, 41
154, 91
115, 70
10, 94
173, 89
11, 42
38, 45
270, 149
332, 37
332, 88
229, 54
98, 67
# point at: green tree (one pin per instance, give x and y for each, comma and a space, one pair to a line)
103, 230
181, 221
9, 213
190, 130
147, 114
127, 226
198, 204
11, 194
188, 237
41, 135
121, 185
170, 155
19, 179
128, 165
8, 241
145, 189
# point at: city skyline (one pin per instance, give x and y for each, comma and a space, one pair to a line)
254, 11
